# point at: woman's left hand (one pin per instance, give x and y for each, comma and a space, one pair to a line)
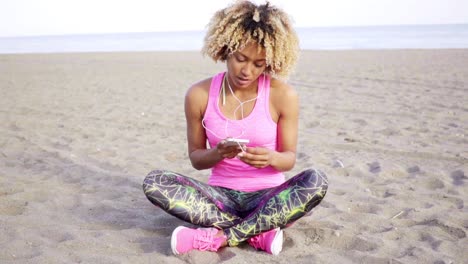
256, 157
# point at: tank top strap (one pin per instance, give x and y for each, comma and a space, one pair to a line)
266, 82
215, 86
263, 100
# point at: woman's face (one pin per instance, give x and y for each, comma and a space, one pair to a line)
245, 66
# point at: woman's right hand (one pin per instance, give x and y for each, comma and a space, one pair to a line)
228, 151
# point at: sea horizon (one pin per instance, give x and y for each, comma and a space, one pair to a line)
437, 36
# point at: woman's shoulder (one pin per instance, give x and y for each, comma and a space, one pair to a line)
196, 98
280, 91
199, 89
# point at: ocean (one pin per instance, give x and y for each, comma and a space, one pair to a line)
326, 38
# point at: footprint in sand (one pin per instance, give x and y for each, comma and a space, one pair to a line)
433, 184
360, 122
454, 201
326, 204
303, 156
434, 243
58, 236
339, 192
9, 206
12, 207
329, 238
365, 208
383, 192
458, 177
455, 232
413, 170
374, 167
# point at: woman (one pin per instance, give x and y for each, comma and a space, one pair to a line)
247, 197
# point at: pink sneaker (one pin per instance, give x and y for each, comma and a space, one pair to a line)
185, 239
271, 241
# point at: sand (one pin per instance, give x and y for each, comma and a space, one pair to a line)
79, 132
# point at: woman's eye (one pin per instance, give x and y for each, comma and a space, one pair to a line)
258, 65
240, 59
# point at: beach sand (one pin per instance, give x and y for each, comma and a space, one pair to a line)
79, 132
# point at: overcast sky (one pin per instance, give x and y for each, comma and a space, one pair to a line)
59, 17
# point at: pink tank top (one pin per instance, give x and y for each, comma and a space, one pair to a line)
258, 127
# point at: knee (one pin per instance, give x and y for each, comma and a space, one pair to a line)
154, 178
315, 177
315, 183
312, 181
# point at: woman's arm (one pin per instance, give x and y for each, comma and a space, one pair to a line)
285, 111
196, 100
287, 106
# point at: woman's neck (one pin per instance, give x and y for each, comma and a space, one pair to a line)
242, 94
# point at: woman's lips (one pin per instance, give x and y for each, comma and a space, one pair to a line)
243, 81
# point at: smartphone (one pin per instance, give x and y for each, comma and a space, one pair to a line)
236, 141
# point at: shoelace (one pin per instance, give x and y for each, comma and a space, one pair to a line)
205, 241
256, 241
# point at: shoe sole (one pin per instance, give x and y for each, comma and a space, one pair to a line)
277, 244
174, 239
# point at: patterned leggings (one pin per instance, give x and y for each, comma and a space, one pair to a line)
240, 214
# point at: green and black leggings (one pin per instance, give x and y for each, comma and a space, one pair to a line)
240, 214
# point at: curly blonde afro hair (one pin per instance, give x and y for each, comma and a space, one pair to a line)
242, 23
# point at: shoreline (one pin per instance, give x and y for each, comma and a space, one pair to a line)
198, 51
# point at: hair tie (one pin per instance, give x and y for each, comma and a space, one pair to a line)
256, 16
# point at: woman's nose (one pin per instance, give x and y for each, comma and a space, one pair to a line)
246, 69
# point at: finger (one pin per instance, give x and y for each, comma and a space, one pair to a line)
258, 166
257, 150
252, 150
251, 161
256, 163
251, 158
232, 152
230, 156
